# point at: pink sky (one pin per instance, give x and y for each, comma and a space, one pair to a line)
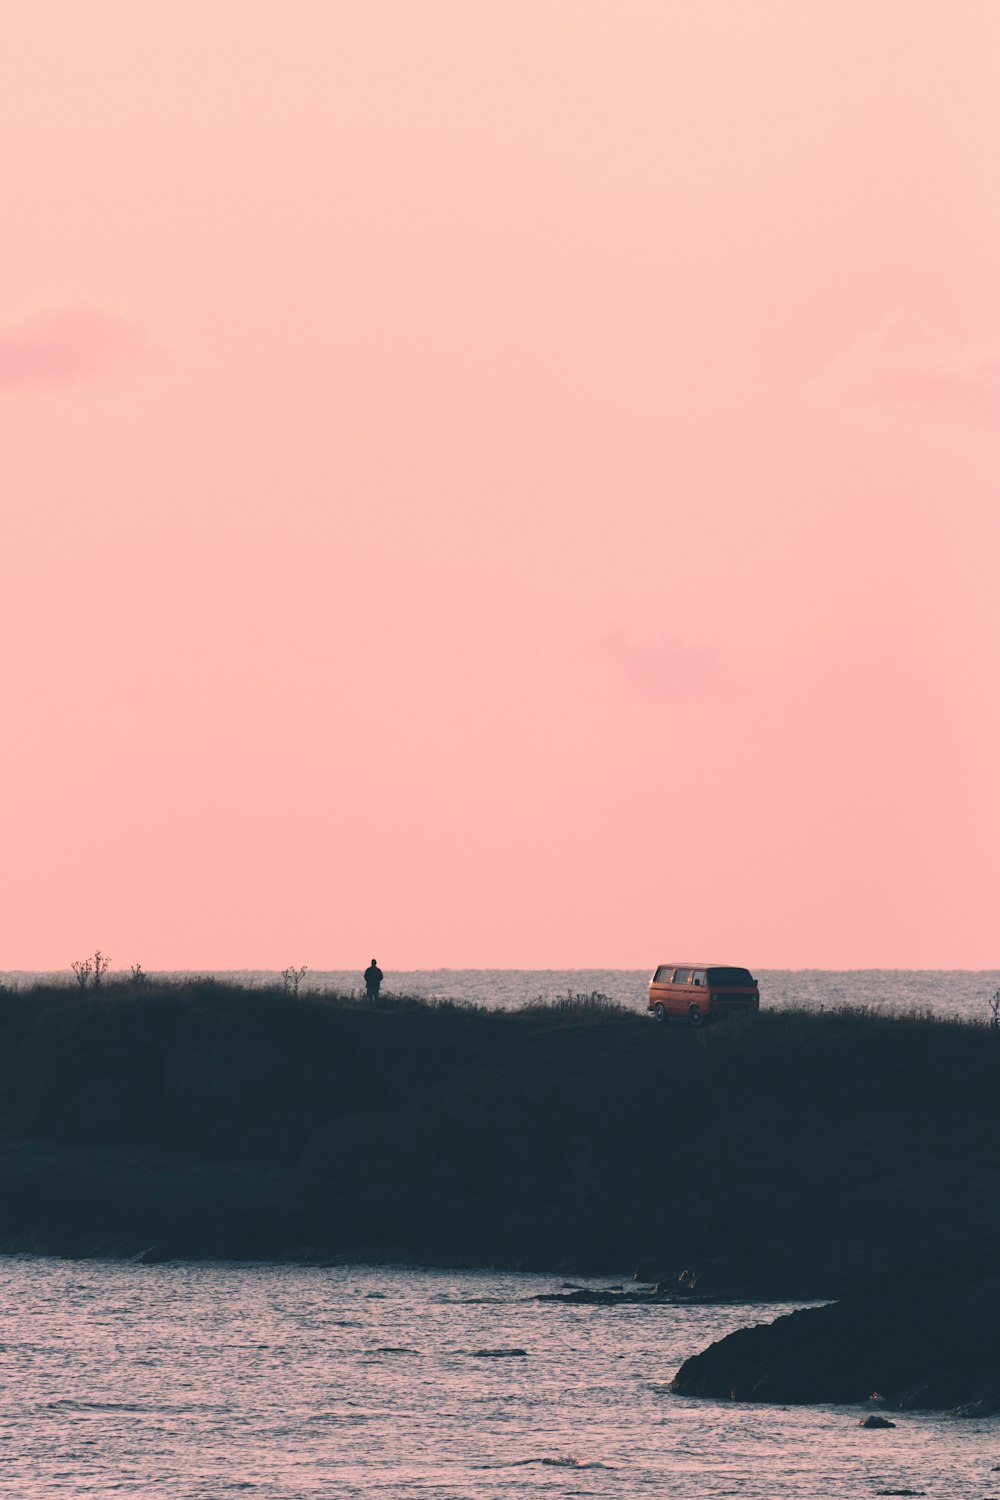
508, 483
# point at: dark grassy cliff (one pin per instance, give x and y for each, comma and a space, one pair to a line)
785, 1155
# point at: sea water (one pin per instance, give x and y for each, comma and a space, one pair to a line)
275, 1382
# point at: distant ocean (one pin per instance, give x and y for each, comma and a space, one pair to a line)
945, 992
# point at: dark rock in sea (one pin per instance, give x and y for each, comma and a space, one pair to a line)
930, 1341
499, 1353
880, 1422
608, 1297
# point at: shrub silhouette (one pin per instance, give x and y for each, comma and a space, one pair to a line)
91, 971
291, 978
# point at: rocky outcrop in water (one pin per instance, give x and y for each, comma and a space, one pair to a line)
926, 1343
610, 1297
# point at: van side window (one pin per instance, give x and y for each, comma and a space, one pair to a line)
682, 976
663, 975
700, 976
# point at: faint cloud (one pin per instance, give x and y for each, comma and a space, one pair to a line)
64, 345
904, 362
966, 382
664, 668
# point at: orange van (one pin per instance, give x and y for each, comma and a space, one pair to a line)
694, 992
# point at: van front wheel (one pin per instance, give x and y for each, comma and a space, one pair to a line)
659, 1014
696, 1015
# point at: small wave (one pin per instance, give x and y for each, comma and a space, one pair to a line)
499, 1354
160, 1409
572, 1463
549, 1462
393, 1349
474, 1301
68, 1404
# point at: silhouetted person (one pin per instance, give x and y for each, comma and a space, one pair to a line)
373, 979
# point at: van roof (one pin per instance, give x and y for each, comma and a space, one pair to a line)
681, 963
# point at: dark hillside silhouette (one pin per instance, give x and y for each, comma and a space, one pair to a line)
785, 1155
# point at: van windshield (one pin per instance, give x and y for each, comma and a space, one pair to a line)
721, 977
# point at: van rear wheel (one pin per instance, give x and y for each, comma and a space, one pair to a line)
659, 1014
696, 1015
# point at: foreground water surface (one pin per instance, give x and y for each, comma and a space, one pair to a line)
200, 1381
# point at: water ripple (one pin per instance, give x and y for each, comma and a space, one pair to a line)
192, 1382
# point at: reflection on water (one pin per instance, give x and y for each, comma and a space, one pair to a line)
274, 1381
